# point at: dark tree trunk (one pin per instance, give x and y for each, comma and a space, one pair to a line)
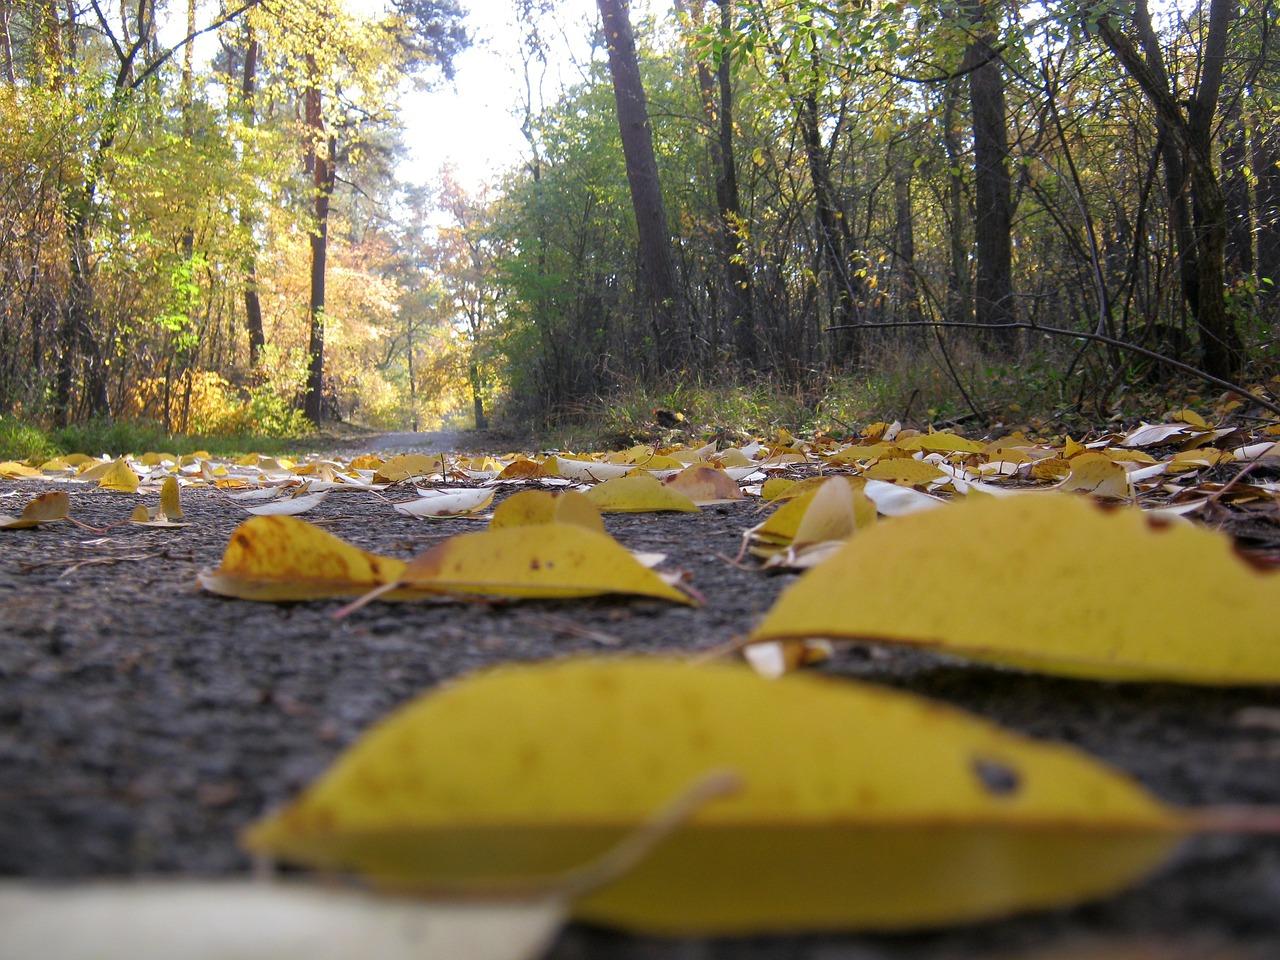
959, 295
252, 302
829, 219
737, 273
477, 399
1220, 347
320, 160
907, 295
1266, 199
1235, 189
993, 193
657, 272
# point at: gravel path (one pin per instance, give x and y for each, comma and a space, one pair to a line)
143, 722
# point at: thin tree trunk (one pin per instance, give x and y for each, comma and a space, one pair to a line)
737, 273
320, 160
477, 400
252, 301
993, 226
1220, 346
1235, 188
657, 272
907, 306
1266, 172
959, 296
6, 43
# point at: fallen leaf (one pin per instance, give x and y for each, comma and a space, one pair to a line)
45, 508
288, 506
639, 493
12, 470
1051, 583
237, 920
550, 561
1098, 474
705, 485
118, 477
282, 558
534, 507
447, 503
914, 473
406, 466
589, 471
861, 807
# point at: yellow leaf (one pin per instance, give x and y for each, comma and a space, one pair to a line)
407, 465
171, 499
941, 442
783, 525
861, 807
913, 473
119, 477
551, 561
1189, 417
523, 469
366, 461
834, 513
1047, 582
284, 558
638, 493
1099, 475
1051, 468
12, 470
776, 487
46, 508
535, 507
705, 485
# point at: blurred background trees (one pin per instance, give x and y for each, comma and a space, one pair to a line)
828, 190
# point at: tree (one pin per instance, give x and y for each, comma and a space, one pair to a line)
1189, 132
657, 272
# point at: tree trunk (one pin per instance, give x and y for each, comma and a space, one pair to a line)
907, 305
959, 296
477, 400
6, 43
1235, 188
993, 225
320, 160
252, 302
657, 273
1266, 199
1220, 348
737, 274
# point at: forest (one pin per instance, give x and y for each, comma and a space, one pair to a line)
950, 196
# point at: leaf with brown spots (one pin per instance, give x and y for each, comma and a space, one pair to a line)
860, 807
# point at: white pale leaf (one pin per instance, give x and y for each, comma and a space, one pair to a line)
895, 501
590, 470
241, 920
446, 503
288, 507
1150, 434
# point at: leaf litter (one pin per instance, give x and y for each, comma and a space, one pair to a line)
880, 496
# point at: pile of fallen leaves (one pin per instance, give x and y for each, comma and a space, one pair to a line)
667, 796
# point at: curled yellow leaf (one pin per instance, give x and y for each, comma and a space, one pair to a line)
1047, 582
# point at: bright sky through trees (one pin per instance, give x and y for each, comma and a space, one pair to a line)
472, 123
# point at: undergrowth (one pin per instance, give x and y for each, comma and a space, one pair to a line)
1052, 388
20, 440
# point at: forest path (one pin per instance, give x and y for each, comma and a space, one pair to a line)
145, 722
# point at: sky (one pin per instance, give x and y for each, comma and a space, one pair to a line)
472, 123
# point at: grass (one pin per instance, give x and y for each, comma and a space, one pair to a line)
1042, 392
20, 440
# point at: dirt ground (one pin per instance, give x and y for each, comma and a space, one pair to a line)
144, 722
